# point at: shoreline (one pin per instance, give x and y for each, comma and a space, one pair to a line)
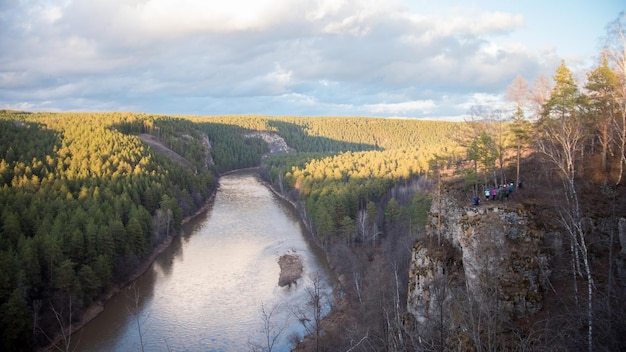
340, 307
97, 307
91, 312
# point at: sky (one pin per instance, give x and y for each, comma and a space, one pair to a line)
380, 58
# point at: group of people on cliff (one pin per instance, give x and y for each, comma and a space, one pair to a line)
500, 193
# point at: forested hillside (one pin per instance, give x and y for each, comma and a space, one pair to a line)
82, 205
84, 201
344, 163
560, 150
85, 198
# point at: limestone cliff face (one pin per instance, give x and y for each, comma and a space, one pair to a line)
492, 253
275, 142
431, 271
206, 143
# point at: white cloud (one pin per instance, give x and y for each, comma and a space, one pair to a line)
482, 23
51, 14
164, 16
482, 99
404, 108
463, 23
173, 19
319, 56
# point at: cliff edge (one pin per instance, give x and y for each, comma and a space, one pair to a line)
478, 269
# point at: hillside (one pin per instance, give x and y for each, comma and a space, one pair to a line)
158, 145
82, 207
86, 198
511, 261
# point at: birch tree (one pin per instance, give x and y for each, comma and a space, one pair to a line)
519, 93
615, 48
561, 136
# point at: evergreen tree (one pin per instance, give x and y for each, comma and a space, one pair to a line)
602, 87
16, 323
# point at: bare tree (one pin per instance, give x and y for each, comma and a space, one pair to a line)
366, 223
66, 330
539, 95
475, 312
271, 329
358, 285
393, 315
358, 343
615, 48
362, 223
135, 311
519, 93
561, 134
311, 316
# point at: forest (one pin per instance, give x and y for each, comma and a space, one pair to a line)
85, 200
562, 138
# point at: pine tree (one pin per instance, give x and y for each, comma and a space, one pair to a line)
601, 85
561, 136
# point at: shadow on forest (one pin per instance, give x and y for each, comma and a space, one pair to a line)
27, 140
295, 136
228, 140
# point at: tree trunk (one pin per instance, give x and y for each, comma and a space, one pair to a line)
622, 151
519, 155
604, 141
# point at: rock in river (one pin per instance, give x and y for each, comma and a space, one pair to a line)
290, 269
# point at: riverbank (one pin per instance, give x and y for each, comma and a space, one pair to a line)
98, 308
299, 207
91, 312
340, 312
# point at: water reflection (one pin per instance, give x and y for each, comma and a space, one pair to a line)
165, 261
205, 292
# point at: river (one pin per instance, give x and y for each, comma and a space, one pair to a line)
206, 291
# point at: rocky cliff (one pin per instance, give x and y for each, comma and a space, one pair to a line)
275, 142
477, 262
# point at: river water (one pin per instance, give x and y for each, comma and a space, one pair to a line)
206, 291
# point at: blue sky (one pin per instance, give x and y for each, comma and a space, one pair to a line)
410, 59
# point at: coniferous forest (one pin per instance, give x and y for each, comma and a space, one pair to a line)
84, 201
87, 198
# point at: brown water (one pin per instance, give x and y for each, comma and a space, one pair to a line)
205, 292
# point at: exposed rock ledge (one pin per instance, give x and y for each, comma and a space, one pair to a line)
495, 253
275, 142
290, 269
